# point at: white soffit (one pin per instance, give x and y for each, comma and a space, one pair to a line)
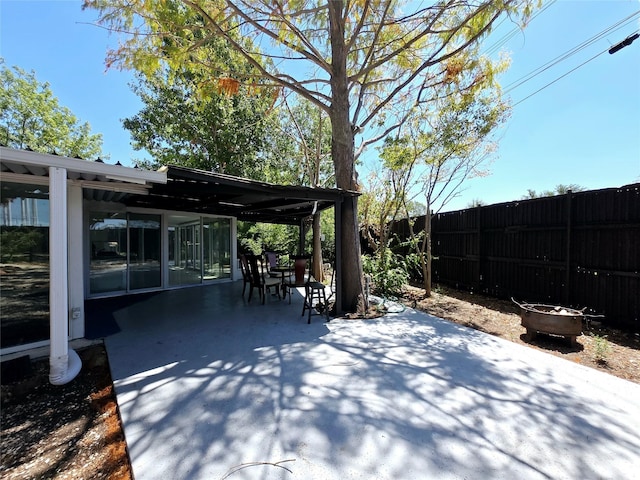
37, 164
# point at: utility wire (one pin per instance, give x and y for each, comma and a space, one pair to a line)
508, 36
560, 77
618, 25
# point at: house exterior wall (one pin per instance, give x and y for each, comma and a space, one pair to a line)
67, 245
69, 289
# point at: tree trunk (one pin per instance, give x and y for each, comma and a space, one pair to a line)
318, 271
342, 151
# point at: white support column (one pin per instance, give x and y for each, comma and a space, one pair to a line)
59, 357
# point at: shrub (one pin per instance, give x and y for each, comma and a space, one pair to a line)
602, 348
388, 272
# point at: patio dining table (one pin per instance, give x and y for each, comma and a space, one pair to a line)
283, 270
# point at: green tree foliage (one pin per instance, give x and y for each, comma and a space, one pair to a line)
221, 133
328, 236
260, 237
299, 143
18, 241
31, 117
388, 272
439, 148
560, 189
366, 63
379, 206
309, 132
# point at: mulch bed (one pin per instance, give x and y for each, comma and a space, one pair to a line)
68, 431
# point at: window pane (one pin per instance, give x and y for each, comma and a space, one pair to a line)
217, 249
144, 251
184, 250
24, 264
108, 237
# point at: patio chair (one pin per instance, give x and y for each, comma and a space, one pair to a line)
271, 259
246, 274
299, 277
259, 279
315, 291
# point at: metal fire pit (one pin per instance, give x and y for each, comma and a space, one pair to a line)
550, 319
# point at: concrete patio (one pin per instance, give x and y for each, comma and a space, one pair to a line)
210, 387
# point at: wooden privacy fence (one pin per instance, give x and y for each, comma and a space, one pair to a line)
578, 250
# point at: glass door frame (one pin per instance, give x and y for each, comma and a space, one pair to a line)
233, 274
189, 223
90, 209
201, 221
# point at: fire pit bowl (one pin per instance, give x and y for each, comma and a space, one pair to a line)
550, 319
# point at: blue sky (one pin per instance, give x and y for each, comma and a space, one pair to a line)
583, 129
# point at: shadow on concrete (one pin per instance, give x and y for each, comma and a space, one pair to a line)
210, 386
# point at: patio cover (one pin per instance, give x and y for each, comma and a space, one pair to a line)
177, 188
184, 189
198, 191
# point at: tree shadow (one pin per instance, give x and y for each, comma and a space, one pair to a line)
207, 384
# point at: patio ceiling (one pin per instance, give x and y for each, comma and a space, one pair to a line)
204, 192
176, 188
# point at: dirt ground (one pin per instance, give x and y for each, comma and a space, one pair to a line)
70, 431
74, 431
609, 350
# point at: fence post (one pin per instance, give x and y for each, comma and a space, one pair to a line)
480, 262
567, 273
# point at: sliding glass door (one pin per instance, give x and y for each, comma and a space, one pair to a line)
108, 266
125, 252
199, 249
184, 250
144, 251
216, 234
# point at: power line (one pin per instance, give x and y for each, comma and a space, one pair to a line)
559, 78
508, 36
633, 36
616, 26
